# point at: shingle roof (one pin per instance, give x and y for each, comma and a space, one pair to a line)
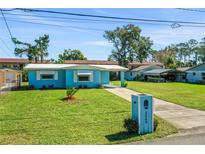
183, 69
157, 71
17, 61
144, 63
141, 68
95, 62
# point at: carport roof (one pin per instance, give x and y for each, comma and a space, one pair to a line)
157, 71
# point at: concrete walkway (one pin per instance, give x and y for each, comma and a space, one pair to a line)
181, 117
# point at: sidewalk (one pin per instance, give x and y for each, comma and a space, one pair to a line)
180, 116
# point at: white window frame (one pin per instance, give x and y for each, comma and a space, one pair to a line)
76, 75
42, 72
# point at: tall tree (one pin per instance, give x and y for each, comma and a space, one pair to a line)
26, 49
167, 56
193, 50
71, 55
128, 44
42, 45
201, 50
34, 51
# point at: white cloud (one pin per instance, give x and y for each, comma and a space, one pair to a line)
166, 36
99, 43
101, 11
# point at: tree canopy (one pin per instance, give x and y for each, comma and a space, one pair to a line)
35, 51
128, 44
184, 54
71, 55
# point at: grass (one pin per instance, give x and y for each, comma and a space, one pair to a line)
189, 95
41, 117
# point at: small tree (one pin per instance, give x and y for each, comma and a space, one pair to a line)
71, 92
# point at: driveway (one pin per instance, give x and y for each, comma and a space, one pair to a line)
181, 117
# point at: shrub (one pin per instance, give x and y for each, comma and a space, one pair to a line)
131, 126
124, 84
202, 82
156, 122
100, 86
71, 92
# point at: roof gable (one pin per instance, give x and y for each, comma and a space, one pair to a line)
200, 67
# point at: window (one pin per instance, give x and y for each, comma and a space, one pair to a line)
130, 73
203, 75
83, 77
47, 76
194, 73
184, 77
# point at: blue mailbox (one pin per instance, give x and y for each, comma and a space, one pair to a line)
142, 112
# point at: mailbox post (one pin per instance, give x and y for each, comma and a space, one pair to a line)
142, 112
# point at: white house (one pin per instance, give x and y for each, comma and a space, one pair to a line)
137, 73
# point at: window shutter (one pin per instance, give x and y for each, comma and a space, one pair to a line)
91, 77
56, 75
38, 76
75, 76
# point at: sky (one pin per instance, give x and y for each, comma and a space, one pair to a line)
87, 36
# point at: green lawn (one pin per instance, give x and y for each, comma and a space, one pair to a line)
41, 117
189, 95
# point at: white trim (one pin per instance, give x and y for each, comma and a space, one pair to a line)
139, 109
74, 66
41, 72
75, 76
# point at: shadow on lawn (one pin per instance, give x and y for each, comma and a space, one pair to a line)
120, 136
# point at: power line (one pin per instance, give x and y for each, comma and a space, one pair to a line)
4, 43
79, 20
111, 17
191, 10
7, 26
86, 28
65, 26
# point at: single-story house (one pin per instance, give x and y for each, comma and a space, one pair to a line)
196, 74
71, 75
137, 73
160, 75
9, 78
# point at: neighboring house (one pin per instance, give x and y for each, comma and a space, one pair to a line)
181, 74
196, 74
134, 65
71, 75
137, 73
15, 63
160, 75
9, 78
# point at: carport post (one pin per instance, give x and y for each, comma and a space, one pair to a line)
122, 76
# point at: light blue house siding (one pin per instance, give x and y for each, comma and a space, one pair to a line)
66, 79
99, 78
196, 74
130, 76
37, 84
